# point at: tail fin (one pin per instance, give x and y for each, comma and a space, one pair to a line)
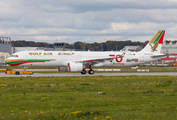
155, 43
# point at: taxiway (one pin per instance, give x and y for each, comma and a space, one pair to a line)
96, 74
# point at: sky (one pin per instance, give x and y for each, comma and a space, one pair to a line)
87, 21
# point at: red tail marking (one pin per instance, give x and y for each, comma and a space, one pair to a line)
161, 38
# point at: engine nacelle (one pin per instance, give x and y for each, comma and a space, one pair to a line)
75, 67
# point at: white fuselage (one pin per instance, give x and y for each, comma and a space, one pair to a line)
61, 58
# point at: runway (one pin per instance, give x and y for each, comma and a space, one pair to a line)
96, 74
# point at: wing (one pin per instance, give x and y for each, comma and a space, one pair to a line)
95, 61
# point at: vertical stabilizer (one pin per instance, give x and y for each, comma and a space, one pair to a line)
155, 43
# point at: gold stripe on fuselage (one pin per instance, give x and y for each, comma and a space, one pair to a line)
12, 60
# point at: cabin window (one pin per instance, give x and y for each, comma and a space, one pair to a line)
14, 55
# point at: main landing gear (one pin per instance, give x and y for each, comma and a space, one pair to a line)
91, 71
83, 71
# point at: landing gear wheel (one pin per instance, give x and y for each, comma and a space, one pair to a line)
91, 72
83, 72
17, 73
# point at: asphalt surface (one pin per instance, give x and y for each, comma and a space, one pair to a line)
96, 74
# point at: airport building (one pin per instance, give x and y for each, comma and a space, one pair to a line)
132, 48
18, 49
61, 47
5, 49
169, 47
57, 47
5, 44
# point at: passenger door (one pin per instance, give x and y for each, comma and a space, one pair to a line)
141, 57
25, 55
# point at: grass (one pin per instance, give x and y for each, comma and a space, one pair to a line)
95, 98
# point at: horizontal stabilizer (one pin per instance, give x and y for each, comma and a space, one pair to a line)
162, 55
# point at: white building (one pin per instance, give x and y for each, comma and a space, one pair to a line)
169, 47
3, 56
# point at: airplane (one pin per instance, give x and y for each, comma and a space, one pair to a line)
78, 61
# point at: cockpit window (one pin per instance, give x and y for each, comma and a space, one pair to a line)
14, 56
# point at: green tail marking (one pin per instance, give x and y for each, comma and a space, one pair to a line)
158, 37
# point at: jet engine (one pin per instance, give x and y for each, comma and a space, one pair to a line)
75, 67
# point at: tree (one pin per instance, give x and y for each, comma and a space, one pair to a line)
77, 45
96, 48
